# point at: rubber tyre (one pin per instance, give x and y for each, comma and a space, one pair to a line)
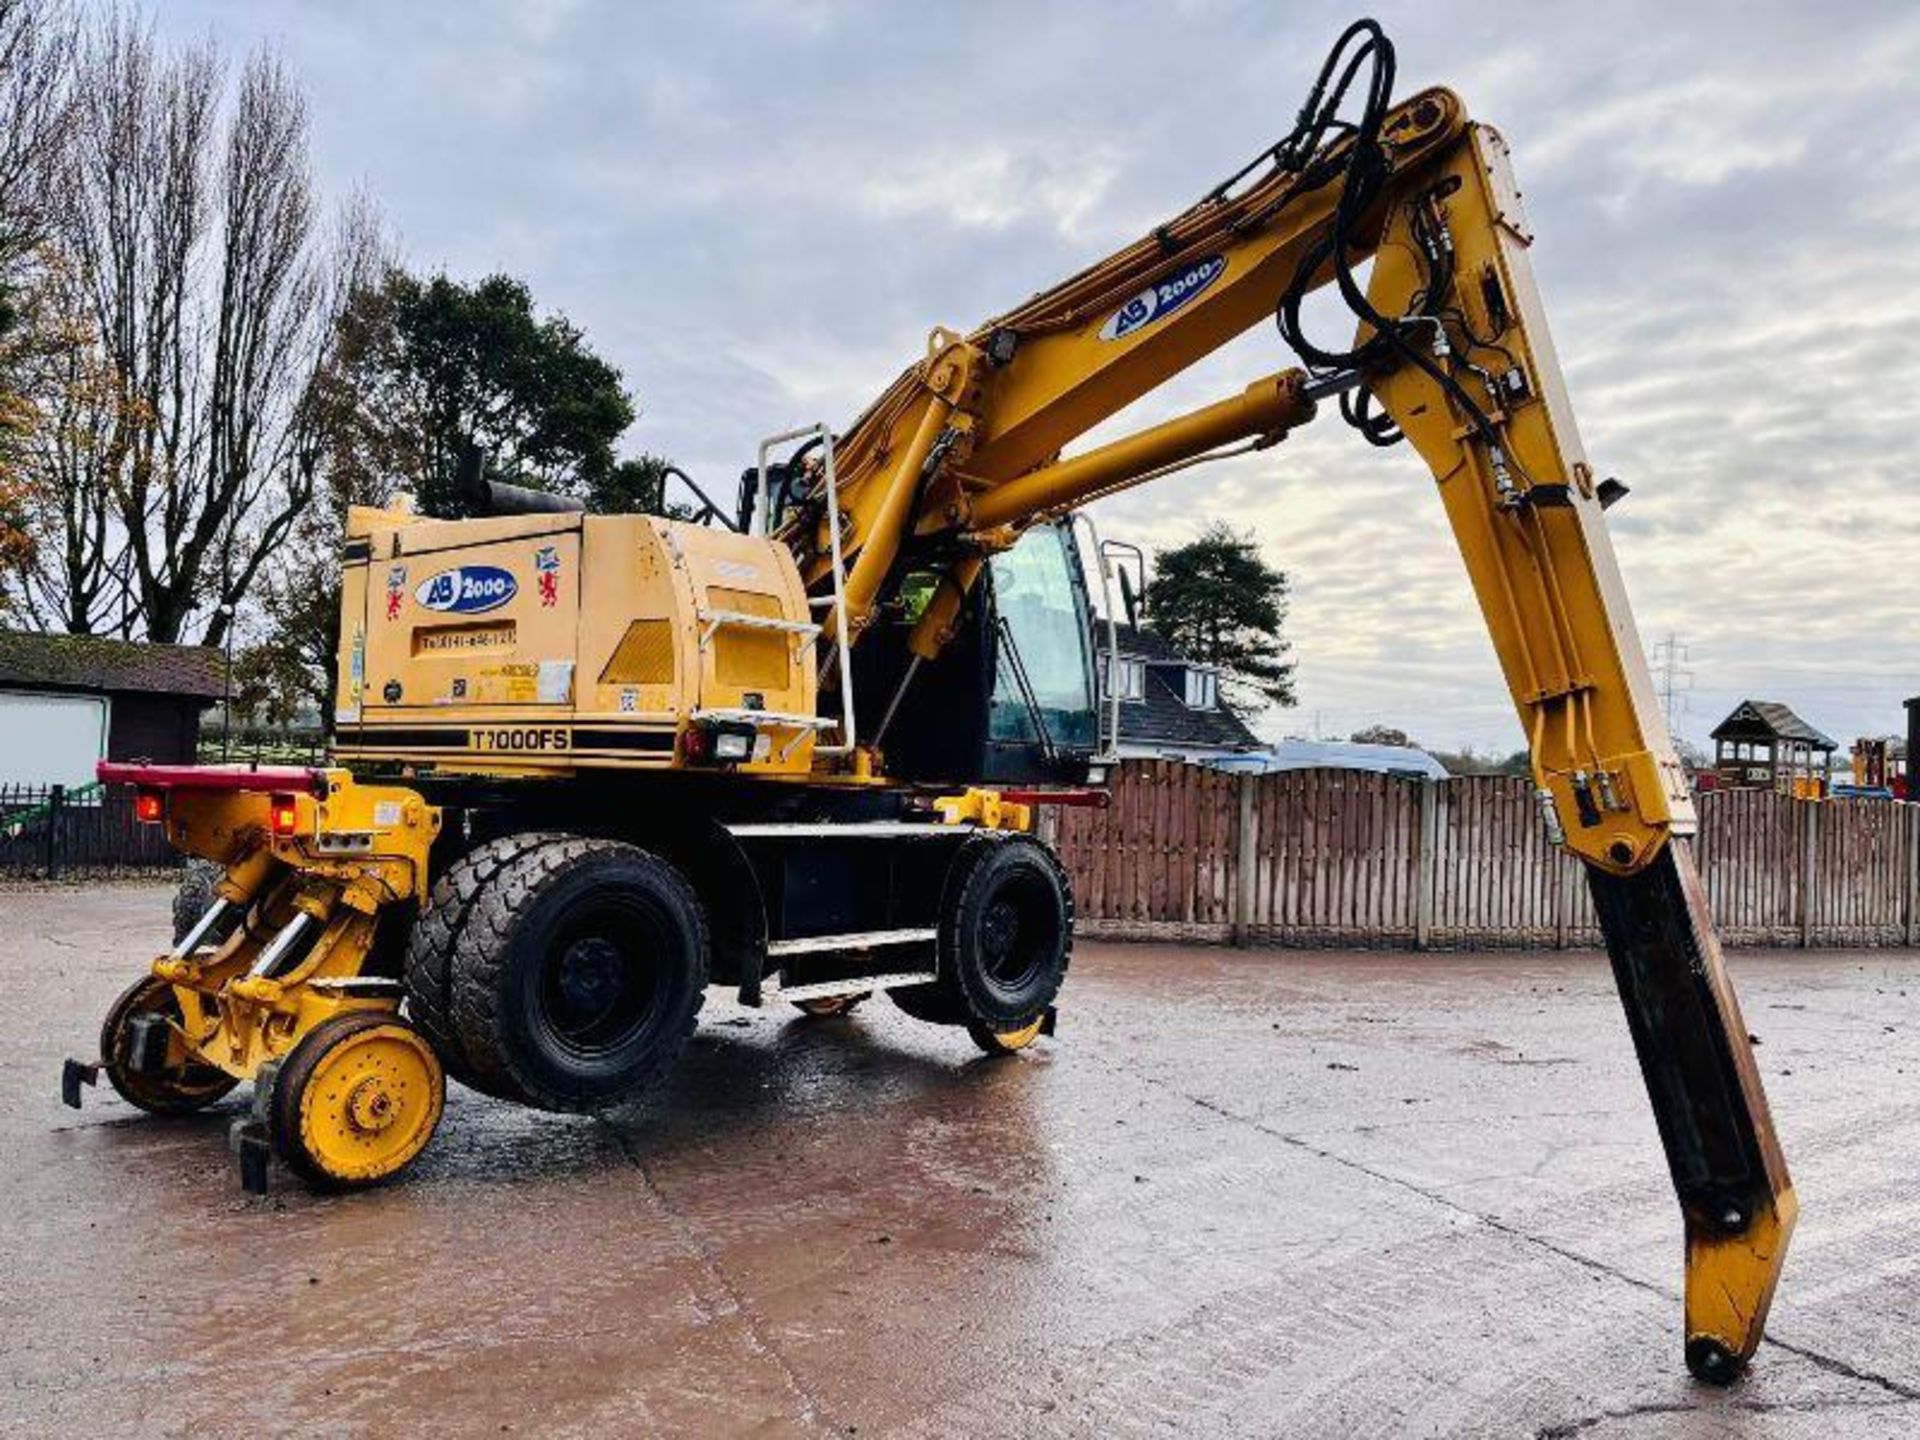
579, 974
193, 895
998, 973
1006, 932
428, 969
311, 1064
179, 1091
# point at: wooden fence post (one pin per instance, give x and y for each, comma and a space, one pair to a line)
1426, 841
1246, 858
1809, 870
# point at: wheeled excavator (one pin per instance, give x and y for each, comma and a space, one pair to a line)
588, 766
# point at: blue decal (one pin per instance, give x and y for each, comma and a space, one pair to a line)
1162, 298
467, 589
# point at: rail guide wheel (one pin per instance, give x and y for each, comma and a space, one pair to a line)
146, 1057
827, 1005
357, 1100
1010, 1042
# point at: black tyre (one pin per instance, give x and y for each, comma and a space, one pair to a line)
185, 1085
428, 970
579, 974
1006, 936
193, 895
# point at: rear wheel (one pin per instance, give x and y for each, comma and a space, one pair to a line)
168, 1081
357, 1100
579, 973
428, 968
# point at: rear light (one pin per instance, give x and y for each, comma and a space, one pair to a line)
286, 813
148, 807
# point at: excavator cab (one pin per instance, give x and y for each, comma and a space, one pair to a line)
1012, 699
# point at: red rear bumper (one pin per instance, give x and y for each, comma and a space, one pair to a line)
282, 778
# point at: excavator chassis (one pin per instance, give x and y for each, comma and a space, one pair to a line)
294, 978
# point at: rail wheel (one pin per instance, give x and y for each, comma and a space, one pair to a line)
145, 1056
1006, 1042
832, 1004
357, 1100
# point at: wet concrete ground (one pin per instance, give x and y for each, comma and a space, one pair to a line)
1265, 1193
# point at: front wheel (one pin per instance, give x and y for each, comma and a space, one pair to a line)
579, 973
1006, 937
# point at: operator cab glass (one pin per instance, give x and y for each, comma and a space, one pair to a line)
1043, 690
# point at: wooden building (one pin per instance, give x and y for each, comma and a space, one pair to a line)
1763, 745
68, 701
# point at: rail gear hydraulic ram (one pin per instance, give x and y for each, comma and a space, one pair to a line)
796, 751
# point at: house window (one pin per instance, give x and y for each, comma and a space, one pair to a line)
1203, 690
1127, 678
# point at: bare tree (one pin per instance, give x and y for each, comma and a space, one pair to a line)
35, 56
207, 289
36, 48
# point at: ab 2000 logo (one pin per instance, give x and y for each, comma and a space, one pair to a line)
1162, 298
467, 589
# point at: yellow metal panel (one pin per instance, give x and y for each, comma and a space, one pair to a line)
644, 655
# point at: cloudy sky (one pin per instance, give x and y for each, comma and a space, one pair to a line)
758, 209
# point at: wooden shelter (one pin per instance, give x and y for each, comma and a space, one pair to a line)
1763, 745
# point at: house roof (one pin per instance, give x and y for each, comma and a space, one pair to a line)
92, 662
1162, 716
1770, 720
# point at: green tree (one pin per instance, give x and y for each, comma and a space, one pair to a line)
419, 369
434, 366
1217, 601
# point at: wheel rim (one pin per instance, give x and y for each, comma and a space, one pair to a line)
1019, 932
600, 986
371, 1103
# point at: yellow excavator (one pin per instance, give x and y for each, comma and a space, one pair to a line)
587, 766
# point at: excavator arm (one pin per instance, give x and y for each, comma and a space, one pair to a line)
1452, 354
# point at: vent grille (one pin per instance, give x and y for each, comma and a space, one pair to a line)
644, 655
750, 659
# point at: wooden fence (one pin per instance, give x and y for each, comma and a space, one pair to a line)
1340, 858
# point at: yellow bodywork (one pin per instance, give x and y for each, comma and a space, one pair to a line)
347, 854
542, 644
